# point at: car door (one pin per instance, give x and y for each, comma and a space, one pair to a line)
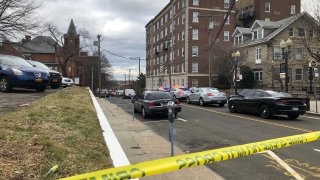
139, 102
246, 101
196, 95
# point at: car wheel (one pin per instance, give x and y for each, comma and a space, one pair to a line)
221, 104
41, 89
4, 84
295, 116
54, 86
265, 112
201, 102
144, 114
188, 100
232, 107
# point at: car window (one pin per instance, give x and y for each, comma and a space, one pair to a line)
158, 95
39, 65
249, 94
184, 89
197, 90
278, 94
258, 94
213, 90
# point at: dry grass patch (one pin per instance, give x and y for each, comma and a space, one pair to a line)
59, 129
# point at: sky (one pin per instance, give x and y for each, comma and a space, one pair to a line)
121, 24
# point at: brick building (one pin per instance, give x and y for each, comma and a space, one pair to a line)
260, 50
177, 38
274, 10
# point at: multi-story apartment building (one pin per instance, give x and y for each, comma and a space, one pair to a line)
261, 52
274, 10
178, 38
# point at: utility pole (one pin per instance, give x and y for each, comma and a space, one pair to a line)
129, 78
139, 78
99, 59
125, 80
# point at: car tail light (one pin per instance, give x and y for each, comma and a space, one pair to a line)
177, 102
210, 94
152, 103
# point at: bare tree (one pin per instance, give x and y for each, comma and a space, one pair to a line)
106, 67
66, 55
18, 17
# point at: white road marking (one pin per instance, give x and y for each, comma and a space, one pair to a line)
182, 119
285, 165
311, 117
317, 150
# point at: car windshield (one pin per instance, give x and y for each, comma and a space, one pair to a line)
159, 95
39, 65
184, 89
14, 61
278, 94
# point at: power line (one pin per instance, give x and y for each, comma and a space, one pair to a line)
129, 58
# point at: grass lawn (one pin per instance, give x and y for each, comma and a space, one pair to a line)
59, 129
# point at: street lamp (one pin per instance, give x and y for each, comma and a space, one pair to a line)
286, 51
236, 56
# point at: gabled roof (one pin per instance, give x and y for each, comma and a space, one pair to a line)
284, 23
40, 44
241, 30
265, 24
72, 29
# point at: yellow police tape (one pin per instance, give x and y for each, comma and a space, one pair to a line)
164, 165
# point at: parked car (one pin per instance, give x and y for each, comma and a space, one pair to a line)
120, 92
66, 82
179, 93
128, 93
103, 93
155, 103
267, 103
55, 77
207, 95
17, 72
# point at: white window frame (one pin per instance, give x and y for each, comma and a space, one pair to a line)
228, 20
195, 51
226, 36
293, 9
195, 17
299, 75
258, 55
260, 75
289, 31
195, 67
277, 52
299, 53
226, 4
195, 34
267, 7
195, 2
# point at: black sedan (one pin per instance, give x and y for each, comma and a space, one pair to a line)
155, 103
267, 103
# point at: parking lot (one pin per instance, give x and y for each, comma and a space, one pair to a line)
21, 97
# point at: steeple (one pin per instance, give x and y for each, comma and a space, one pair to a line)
72, 29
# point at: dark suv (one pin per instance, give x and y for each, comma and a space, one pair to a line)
17, 72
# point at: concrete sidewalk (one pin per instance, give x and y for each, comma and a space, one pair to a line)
142, 144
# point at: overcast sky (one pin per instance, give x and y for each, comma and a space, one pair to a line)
120, 22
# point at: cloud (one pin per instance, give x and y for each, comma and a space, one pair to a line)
120, 23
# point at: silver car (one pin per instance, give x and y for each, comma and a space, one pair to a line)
179, 93
207, 95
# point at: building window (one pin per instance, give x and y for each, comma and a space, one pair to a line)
277, 53
258, 56
183, 18
70, 69
195, 17
194, 67
195, 35
194, 83
290, 31
299, 53
226, 36
182, 35
310, 33
293, 9
258, 75
301, 32
226, 4
182, 52
299, 74
194, 51
228, 19
267, 6
195, 2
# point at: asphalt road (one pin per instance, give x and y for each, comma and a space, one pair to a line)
203, 128
21, 97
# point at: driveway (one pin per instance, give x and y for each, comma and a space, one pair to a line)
21, 97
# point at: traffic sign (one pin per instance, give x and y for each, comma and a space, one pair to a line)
313, 63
